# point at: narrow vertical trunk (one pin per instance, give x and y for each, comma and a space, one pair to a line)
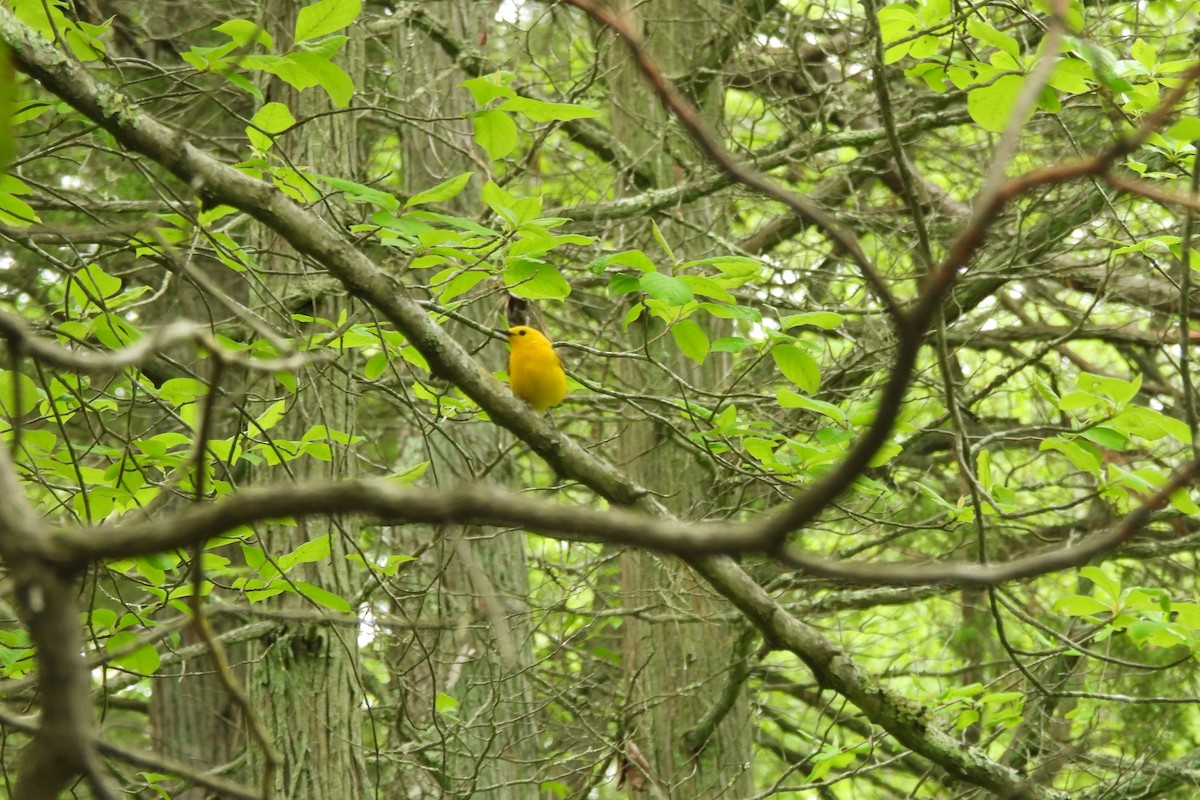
689, 728
304, 685
473, 584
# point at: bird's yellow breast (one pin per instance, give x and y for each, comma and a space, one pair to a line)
535, 373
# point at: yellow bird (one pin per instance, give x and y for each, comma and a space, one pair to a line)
534, 372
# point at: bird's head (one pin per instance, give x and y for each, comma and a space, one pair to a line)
520, 335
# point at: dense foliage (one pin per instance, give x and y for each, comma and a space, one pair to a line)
880, 316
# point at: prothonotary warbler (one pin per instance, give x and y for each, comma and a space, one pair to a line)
534, 372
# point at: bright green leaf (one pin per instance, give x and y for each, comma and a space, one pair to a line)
798, 367
1186, 130
992, 105
541, 111
495, 132
826, 320
271, 119
486, 88
789, 399
325, 16
1106, 584
1081, 454
446, 190
1077, 605
244, 32
272, 415
666, 288
986, 33
328, 75
535, 280
323, 597
691, 339
19, 395
410, 475
358, 193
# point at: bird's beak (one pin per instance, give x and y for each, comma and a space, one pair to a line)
501, 331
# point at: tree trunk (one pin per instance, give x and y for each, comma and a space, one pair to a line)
475, 587
691, 726
304, 686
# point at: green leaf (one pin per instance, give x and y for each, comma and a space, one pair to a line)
446, 190
541, 111
1150, 424
1078, 605
375, 366
98, 284
271, 416
410, 475
1001, 41
513, 210
178, 391
707, 287
323, 597
367, 194
445, 704
691, 340
495, 132
535, 280
885, 454
933, 12
1103, 63
896, 52
632, 314
1081, 454
328, 75
316, 550
144, 660
486, 88
1071, 75
13, 210
10, 388
555, 788
632, 258
789, 399
895, 21
1106, 584
1106, 437
623, 284
798, 367
1119, 391
1144, 54
666, 288
325, 432
1186, 130
744, 313
662, 241
924, 46
271, 119
325, 16
983, 468
999, 698
991, 106
325, 49
244, 32
826, 320
460, 284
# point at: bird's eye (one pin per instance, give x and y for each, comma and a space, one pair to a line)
522, 333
